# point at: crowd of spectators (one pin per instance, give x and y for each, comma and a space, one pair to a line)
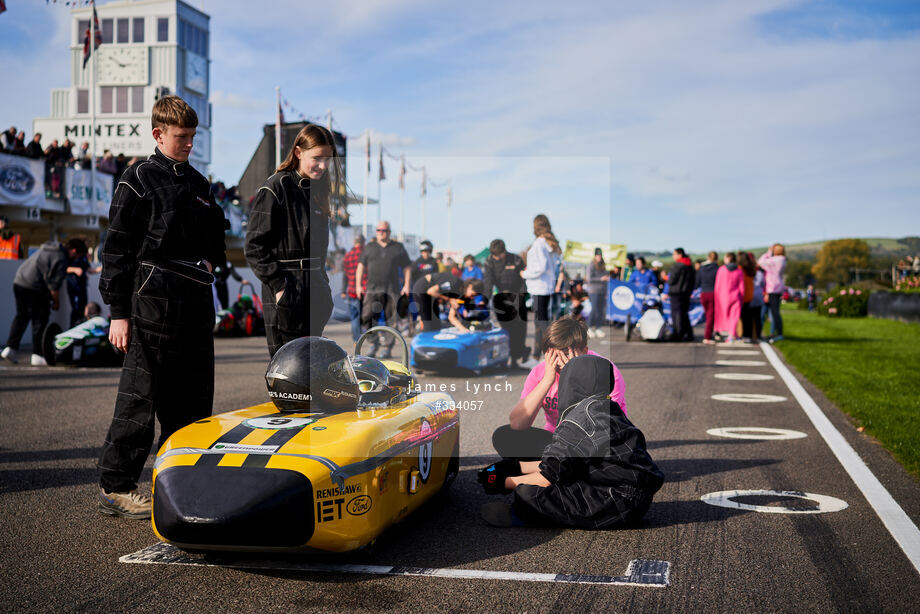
59, 156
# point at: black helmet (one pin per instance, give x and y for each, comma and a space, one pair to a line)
312, 374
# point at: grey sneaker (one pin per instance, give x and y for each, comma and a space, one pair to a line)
125, 504
9, 354
39, 361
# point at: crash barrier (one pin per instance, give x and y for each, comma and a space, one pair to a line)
62, 315
895, 306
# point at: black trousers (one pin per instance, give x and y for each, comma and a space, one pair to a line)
680, 317
31, 306
304, 309
540, 322
524, 444
512, 317
168, 372
375, 303
750, 321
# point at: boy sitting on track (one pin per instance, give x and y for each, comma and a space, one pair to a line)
594, 474
565, 339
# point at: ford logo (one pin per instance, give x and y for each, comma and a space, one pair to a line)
16, 179
359, 505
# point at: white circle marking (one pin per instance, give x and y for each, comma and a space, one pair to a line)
740, 352
741, 363
745, 397
725, 499
744, 376
755, 432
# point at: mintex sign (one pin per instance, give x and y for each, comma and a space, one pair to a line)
130, 136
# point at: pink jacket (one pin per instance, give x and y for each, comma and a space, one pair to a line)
773, 267
551, 400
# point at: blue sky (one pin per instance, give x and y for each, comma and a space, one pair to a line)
710, 124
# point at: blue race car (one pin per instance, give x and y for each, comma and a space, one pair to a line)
486, 345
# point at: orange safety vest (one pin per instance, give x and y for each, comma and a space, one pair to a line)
9, 248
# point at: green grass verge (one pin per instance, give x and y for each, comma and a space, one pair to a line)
868, 368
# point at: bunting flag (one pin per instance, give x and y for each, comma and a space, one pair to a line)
381, 176
97, 38
2, 6
402, 172
424, 182
280, 115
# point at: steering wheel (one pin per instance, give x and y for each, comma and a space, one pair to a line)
390, 331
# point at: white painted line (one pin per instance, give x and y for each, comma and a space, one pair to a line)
741, 363
747, 397
641, 572
739, 352
750, 377
755, 432
894, 518
726, 498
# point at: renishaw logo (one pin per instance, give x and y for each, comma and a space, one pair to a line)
292, 396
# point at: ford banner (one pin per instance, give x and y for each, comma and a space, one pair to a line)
22, 181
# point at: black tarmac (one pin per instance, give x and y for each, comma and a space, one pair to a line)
59, 554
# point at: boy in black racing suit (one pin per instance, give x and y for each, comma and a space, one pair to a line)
165, 235
595, 474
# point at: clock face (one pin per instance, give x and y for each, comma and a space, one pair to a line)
196, 72
122, 65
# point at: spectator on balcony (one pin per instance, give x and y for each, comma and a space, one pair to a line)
107, 164
8, 139
65, 155
34, 148
83, 156
53, 169
19, 145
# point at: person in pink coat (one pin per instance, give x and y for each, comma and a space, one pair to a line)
773, 264
729, 297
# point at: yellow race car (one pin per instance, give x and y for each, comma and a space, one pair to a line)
314, 469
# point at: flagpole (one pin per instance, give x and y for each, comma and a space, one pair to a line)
278, 127
450, 196
92, 102
367, 172
402, 197
379, 201
424, 193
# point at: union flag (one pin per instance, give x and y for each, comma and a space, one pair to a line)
97, 39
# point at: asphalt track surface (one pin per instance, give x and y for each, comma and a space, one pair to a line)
57, 553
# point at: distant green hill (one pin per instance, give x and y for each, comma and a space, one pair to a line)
879, 247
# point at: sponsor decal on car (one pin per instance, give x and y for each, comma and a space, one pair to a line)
278, 423
240, 448
360, 505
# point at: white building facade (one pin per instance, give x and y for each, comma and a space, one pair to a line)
149, 48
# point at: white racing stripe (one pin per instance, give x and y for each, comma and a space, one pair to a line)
894, 518
641, 572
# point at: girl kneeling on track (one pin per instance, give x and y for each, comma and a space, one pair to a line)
565, 339
594, 474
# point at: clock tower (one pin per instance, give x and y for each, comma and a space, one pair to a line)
149, 48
